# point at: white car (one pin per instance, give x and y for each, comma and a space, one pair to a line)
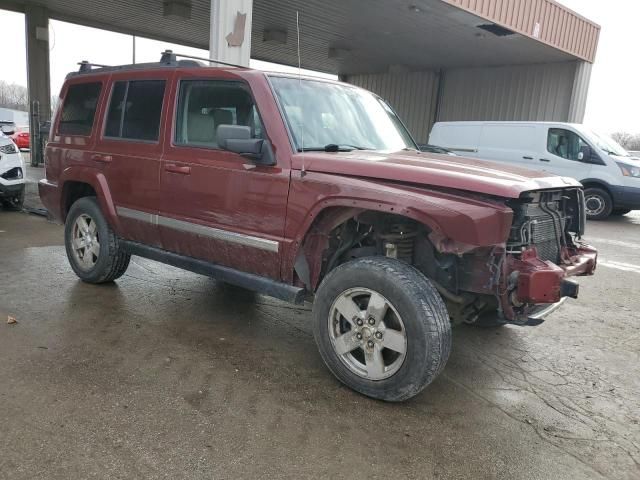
12, 172
610, 175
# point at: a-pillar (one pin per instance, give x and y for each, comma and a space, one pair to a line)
230, 31
38, 73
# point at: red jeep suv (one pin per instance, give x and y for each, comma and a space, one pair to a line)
301, 188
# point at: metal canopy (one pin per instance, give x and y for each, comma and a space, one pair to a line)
339, 36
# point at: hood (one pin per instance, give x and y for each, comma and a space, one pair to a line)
429, 169
633, 160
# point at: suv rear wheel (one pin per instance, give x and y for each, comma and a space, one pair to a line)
93, 249
381, 328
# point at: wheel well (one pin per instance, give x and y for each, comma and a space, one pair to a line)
343, 235
595, 184
72, 192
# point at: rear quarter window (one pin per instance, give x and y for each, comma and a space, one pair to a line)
79, 109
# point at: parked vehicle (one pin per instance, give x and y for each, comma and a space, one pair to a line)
306, 188
21, 138
610, 174
7, 127
12, 182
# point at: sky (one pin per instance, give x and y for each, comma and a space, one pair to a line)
614, 96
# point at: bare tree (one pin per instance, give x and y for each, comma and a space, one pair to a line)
55, 103
14, 96
623, 138
634, 144
627, 140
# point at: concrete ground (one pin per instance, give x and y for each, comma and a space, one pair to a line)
167, 374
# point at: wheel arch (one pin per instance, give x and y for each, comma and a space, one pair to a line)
305, 256
78, 182
597, 183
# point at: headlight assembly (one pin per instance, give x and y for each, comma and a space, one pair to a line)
629, 170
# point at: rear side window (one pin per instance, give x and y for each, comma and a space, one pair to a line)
79, 109
204, 105
135, 109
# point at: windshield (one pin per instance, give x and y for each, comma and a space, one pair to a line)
326, 116
606, 143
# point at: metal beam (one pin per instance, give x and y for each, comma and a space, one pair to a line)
38, 74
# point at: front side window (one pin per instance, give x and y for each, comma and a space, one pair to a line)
204, 105
135, 109
325, 116
565, 143
79, 109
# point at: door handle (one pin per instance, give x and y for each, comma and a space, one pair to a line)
97, 157
545, 160
528, 158
178, 169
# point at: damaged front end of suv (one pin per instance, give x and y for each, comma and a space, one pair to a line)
527, 277
519, 281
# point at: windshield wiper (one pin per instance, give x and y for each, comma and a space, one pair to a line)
334, 147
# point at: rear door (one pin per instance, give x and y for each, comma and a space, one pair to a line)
129, 150
217, 205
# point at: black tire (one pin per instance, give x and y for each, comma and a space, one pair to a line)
597, 197
112, 261
424, 316
14, 203
620, 211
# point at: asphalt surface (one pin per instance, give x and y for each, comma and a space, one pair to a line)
167, 374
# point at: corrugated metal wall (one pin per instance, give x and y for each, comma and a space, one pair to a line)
580, 92
527, 93
412, 95
544, 20
550, 92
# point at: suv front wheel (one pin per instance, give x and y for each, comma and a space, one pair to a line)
93, 249
381, 328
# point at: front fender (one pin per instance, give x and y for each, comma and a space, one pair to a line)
467, 220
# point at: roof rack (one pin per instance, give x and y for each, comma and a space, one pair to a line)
86, 66
168, 59
168, 56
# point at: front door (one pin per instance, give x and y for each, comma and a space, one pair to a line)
217, 205
563, 154
130, 150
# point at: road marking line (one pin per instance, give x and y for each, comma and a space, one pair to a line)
615, 243
625, 267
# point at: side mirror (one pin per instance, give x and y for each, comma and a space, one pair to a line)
585, 153
8, 130
237, 139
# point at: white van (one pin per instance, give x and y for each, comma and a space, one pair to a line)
610, 175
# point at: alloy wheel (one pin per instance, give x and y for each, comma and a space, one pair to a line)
367, 333
86, 242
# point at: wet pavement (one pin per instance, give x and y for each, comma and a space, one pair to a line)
167, 374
